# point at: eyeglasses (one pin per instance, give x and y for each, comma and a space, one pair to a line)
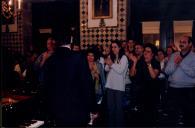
183, 42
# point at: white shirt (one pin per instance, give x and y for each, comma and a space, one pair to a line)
66, 46
102, 61
162, 64
116, 75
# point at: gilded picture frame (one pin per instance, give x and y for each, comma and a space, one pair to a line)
102, 9
108, 21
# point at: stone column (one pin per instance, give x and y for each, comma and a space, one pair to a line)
166, 33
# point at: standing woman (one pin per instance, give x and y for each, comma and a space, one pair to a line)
116, 65
97, 73
98, 76
146, 71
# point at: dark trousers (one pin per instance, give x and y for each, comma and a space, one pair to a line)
149, 97
163, 84
115, 107
181, 103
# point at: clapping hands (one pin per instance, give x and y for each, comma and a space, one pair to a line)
133, 58
108, 61
177, 59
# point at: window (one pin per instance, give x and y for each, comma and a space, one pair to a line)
151, 32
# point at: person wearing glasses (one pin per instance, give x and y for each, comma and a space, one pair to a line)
181, 92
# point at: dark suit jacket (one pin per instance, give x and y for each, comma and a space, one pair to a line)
69, 88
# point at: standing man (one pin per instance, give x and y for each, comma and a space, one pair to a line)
139, 50
40, 61
70, 94
75, 47
181, 92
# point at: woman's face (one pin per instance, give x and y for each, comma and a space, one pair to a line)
106, 50
148, 55
115, 48
90, 57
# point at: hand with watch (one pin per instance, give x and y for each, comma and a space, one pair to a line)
149, 65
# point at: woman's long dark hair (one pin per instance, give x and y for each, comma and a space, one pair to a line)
121, 51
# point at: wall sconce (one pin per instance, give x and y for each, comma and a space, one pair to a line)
10, 9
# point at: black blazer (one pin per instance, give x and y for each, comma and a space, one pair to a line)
69, 88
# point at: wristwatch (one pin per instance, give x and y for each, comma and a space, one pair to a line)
149, 65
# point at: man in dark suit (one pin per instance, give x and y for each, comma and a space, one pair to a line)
69, 90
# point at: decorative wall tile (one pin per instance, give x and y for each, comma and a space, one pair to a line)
17, 41
102, 35
13, 41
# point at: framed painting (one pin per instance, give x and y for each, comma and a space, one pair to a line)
102, 9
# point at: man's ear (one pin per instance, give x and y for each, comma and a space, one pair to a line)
191, 46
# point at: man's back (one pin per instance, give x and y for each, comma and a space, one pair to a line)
69, 88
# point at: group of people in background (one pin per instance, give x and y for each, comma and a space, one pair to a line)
83, 84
